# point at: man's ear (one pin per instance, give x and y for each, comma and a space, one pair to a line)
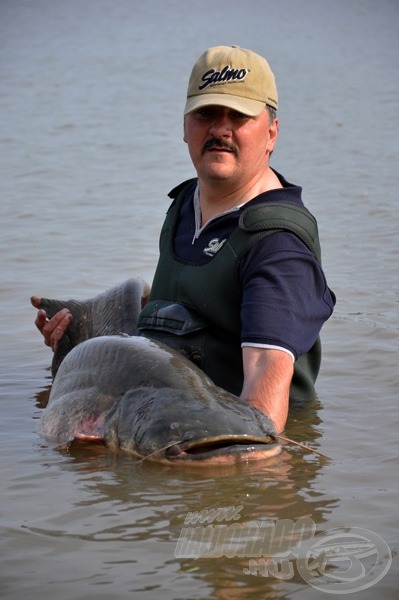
184, 131
273, 135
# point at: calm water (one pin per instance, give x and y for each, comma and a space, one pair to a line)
91, 98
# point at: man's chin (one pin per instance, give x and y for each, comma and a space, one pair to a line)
219, 166
218, 175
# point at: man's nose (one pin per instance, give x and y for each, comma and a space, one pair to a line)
221, 126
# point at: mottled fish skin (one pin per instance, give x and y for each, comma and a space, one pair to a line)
138, 395
113, 312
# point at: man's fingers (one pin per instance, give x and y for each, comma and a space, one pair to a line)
54, 329
40, 320
58, 333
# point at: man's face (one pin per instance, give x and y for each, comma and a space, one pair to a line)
226, 145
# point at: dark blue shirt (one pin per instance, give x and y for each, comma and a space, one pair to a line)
286, 299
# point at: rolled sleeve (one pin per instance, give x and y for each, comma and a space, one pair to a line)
286, 299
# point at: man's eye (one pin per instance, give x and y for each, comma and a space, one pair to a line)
210, 113
238, 116
205, 113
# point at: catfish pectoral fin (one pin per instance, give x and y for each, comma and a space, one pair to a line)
79, 330
64, 346
112, 312
52, 306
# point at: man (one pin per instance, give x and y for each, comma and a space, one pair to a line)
239, 287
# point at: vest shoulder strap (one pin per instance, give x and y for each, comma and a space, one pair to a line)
264, 219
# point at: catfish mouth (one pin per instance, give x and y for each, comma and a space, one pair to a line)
223, 449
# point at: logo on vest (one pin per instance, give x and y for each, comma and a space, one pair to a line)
213, 247
227, 74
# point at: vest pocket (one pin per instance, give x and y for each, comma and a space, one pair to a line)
177, 326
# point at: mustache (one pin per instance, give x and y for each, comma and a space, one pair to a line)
218, 143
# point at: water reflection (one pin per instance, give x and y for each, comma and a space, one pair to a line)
42, 397
123, 502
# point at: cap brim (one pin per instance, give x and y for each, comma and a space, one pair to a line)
252, 108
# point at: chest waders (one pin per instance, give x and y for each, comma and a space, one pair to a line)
195, 309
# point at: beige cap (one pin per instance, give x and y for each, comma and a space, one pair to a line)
232, 77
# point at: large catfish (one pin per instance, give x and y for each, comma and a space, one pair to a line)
138, 395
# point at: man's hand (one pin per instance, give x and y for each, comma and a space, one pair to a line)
52, 329
267, 379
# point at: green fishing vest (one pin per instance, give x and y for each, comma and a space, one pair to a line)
195, 309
